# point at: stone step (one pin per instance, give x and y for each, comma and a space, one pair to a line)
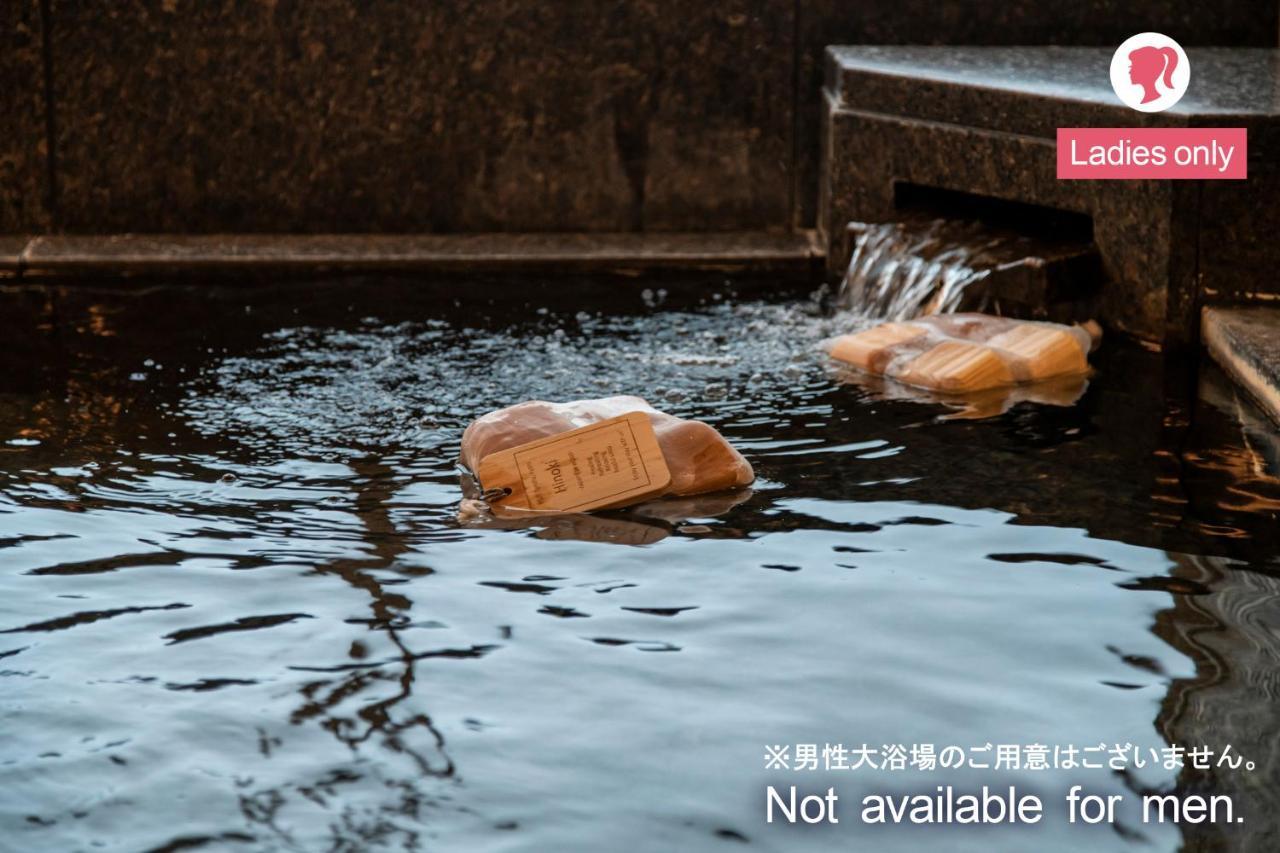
59, 255
1246, 342
1033, 91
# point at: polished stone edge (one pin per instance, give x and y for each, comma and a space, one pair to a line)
1246, 342
55, 255
946, 84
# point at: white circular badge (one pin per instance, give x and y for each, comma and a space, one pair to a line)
1150, 72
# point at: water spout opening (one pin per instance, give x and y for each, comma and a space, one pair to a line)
951, 251
1030, 220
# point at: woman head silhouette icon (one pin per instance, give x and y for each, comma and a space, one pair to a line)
1150, 72
1148, 64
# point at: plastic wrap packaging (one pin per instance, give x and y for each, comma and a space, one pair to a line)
968, 353
976, 365
642, 524
697, 458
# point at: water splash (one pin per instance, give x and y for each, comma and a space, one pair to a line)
417, 384
900, 270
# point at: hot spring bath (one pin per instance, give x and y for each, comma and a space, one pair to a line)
237, 611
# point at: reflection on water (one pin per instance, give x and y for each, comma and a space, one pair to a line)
237, 612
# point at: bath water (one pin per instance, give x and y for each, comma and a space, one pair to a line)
237, 611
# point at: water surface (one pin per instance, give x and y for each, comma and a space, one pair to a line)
236, 611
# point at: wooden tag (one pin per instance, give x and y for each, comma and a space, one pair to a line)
606, 464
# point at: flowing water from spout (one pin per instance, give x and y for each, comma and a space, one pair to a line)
900, 270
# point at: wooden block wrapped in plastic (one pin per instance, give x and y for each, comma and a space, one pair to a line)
870, 350
697, 458
967, 353
955, 367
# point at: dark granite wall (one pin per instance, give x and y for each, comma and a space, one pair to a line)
468, 115
23, 154
1240, 220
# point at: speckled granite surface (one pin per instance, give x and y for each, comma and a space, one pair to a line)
1240, 221
462, 115
794, 255
23, 164
1246, 342
982, 120
11, 248
466, 115
1103, 23
1035, 90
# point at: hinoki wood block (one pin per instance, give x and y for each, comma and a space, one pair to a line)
965, 353
698, 458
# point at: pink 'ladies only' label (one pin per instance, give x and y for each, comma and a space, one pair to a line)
1127, 153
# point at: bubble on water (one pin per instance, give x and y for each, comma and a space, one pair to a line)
653, 298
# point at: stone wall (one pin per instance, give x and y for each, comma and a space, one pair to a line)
466, 115
24, 168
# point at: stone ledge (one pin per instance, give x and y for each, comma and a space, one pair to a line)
1246, 342
55, 255
1032, 91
